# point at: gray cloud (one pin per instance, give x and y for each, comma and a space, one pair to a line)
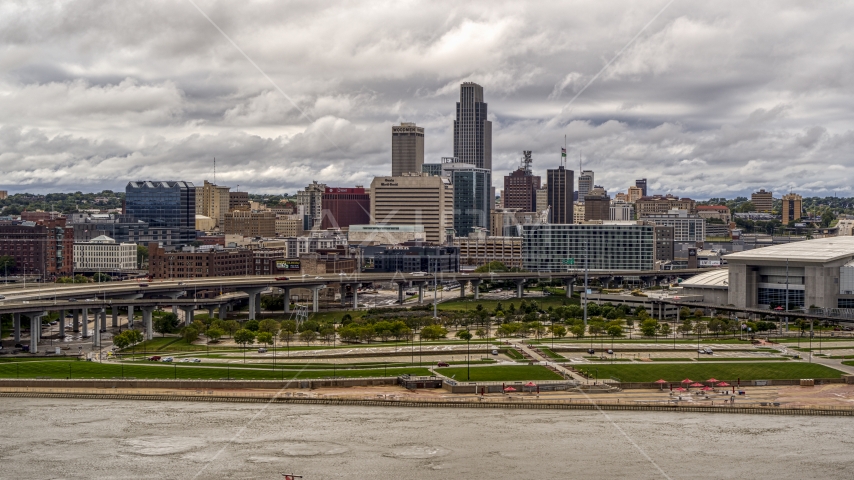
711, 100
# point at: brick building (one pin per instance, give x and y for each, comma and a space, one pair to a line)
343, 207
663, 204
203, 262
44, 248
250, 224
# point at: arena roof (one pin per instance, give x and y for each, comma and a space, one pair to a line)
715, 278
818, 250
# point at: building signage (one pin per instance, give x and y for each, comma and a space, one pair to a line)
709, 263
288, 264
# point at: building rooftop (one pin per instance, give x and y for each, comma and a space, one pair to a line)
818, 250
715, 278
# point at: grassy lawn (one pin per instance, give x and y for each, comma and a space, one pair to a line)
663, 359
75, 369
723, 371
513, 353
742, 359
501, 374
848, 363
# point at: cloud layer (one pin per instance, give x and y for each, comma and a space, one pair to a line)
715, 99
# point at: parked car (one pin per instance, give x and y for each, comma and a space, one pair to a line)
143, 284
701, 351
282, 278
155, 358
167, 359
185, 360
443, 364
495, 351
262, 350
18, 345
72, 299
708, 351
196, 360
591, 351
2, 297
610, 352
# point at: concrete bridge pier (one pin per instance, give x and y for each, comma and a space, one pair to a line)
223, 311
130, 316
35, 330
254, 301
146, 320
462, 289
98, 318
103, 323
315, 294
355, 296
16, 325
85, 321
286, 299
210, 312
343, 292
62, 324
75, 323
569, 285
475, 286
115, 313
189, 313
520, 288
401, 286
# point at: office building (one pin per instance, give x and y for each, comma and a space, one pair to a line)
238, 201
312, 199
472, 196
472, 130
603, 246
816, 273
44, 248
686, 227
205, 224
4, 194
289, 225
559, 186
213, 201
662, 204
250, 224
641, 184
520, 187
542, 195
665, 244
407, 149
578, 212
634, 194
585, 184
103, 254
720, 212
407, 259
343, 207
121, 228
414, 199
202, 262
478, 249
385, 234
508, 221
622, 211
597, 205
432, 168
792, 207
762, 201
164, 205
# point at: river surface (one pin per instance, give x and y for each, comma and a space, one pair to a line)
53, 438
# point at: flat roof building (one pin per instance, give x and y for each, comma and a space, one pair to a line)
407, 149
103, 254
762, 201
810, 273
414, 199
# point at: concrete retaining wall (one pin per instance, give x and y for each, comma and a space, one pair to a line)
198, 384
744, 383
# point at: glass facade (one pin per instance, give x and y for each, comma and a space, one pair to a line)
472, 198
777, 296
562, 248
165, 205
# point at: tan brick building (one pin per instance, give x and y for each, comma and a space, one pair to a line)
250, 224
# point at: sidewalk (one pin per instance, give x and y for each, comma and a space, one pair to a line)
542, 360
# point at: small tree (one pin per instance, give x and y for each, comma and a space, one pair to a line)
649, 327
165, 324
214, 334
244, 337
665, 329
231, 326
558, 331
269, 325
308, 336
190, 334
265, 338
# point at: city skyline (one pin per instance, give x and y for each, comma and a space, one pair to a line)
764, 108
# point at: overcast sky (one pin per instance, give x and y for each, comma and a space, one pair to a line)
704, 99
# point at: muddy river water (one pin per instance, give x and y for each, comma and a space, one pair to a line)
48, 438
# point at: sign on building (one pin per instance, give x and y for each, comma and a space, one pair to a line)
288, 265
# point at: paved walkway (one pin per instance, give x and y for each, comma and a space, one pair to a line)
546, 361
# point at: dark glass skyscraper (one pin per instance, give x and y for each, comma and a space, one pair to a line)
472, 196
472, 131
560, 182
165, 205
642, 185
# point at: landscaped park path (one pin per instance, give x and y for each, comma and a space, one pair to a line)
533, 354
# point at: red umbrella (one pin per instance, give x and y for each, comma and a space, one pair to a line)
687, 380
661, 381
530, 384
680, 389
696, 384
509, 389
723, 384
778, 308
712, 380
706, 389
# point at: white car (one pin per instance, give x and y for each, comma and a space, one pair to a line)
419, 274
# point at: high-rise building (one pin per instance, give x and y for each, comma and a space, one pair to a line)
343, 207
560, 187
169, 205
542, 197
578, 212
250, 224
213, 201
520, 187
792, 206
407, 149
686, 227
642, 185
44, 248
472, 131
762, 201
634, 194
597, 205
414, 199
585, 184
238, 201
312, 199
472, 196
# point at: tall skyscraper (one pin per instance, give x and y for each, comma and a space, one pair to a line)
407, 149
520, 187
166, 205
472, 131
212, 201
585, 184
792, 205
312, 200
560, 187
597, 205
642, 185
472, 196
